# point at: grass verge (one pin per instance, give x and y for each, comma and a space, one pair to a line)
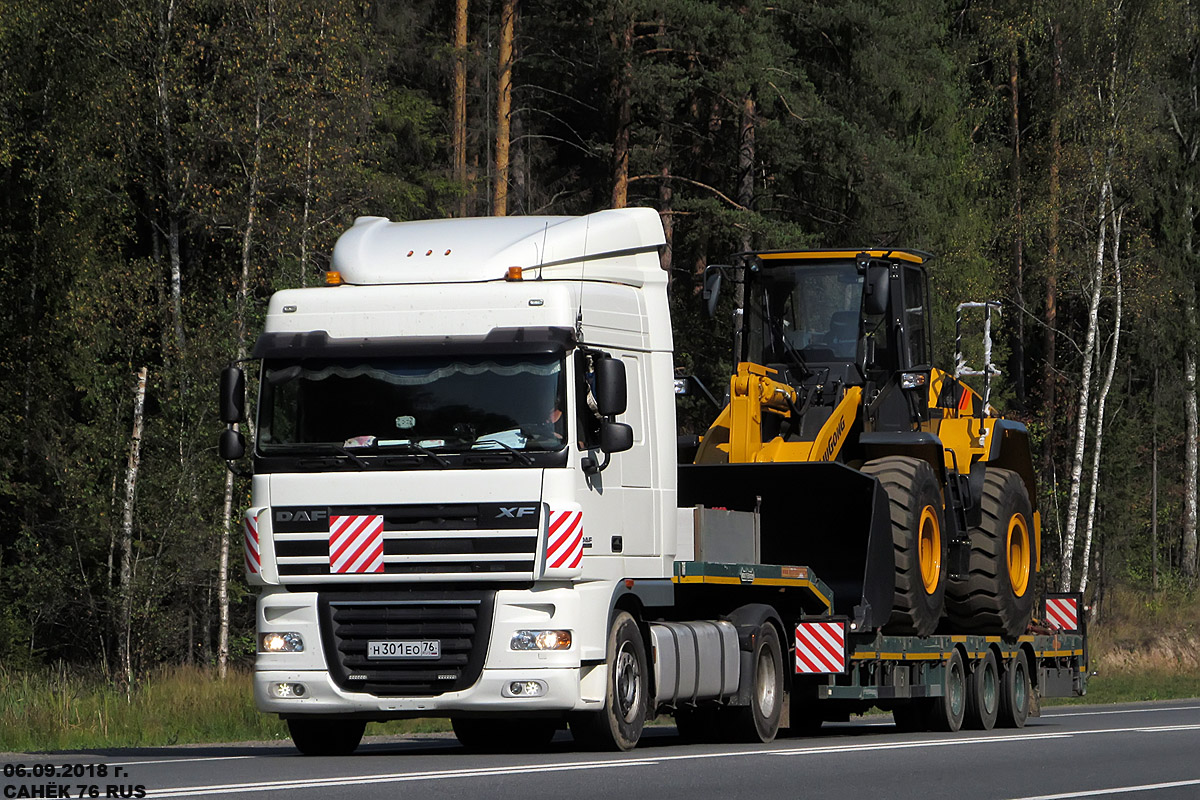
58, 710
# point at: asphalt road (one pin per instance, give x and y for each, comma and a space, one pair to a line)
1144, 750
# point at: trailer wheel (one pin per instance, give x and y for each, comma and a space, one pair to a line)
983, 694
759, 721
946, 712
314, 736
618, 725
997, 595
915, 504
1016, 692
485, 735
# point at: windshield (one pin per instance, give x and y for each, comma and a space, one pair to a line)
450, 403
813, 310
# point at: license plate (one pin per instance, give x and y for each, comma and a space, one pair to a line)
425, 648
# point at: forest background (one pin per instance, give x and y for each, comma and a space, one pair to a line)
167, 164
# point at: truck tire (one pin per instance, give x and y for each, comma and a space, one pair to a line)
314, 736
1016, 693
618, 725
485, 735
997, 596
916, 509
983, 694
946, 713
759, 721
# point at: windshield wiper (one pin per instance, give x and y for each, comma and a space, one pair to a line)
522, 457
414, 447
342, 451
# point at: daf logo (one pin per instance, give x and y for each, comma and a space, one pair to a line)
314, 515
516, 512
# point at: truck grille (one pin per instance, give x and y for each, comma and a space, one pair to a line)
444, 541
459, 621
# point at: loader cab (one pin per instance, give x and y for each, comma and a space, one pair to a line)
827, 320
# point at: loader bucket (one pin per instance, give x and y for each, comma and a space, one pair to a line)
824, 516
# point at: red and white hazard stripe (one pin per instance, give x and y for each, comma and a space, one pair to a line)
1063, 612
356, 543
820, 648
564, 540
250, 543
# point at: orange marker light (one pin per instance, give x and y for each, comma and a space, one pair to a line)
334, 278
513, 274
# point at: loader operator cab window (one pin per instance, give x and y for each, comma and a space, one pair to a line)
813, 311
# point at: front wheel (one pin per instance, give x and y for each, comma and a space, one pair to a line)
320, 737
759, 721
618, 726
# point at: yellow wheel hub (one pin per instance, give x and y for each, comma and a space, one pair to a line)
1019, 554
930, 549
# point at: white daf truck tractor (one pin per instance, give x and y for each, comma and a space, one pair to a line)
468, 503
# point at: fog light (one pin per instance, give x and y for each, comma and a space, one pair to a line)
541, 640
280, 643
524, 689
288, 690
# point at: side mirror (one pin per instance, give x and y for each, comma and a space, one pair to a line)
615, 437
611, 387
232, 445
712, 289
875, 289
233, 395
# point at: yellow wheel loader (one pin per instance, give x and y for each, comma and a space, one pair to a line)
893, 480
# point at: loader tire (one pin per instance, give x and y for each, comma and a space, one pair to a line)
996, 598
916, 509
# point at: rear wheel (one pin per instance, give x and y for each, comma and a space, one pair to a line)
997, 595
504, 735
759, 721
983, 694
915, 506
946, 713
1016, 693
618, 725
326, 737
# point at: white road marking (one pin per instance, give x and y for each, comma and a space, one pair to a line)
395, 777
1145, 787
635, 761
1119, 711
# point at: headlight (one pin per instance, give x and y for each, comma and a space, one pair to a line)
280, 643
912, 380
541, 640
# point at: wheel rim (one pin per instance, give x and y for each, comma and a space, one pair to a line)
766, 683
991, 688
956, 688
627, 683
930, 549
1018, 554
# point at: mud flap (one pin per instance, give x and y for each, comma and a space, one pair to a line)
826, 516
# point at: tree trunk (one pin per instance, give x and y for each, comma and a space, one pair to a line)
622, 93
1085, 387
125, 587
459, 127
1049, 374
508, 13
746, 156
1098, 440
1018, 242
